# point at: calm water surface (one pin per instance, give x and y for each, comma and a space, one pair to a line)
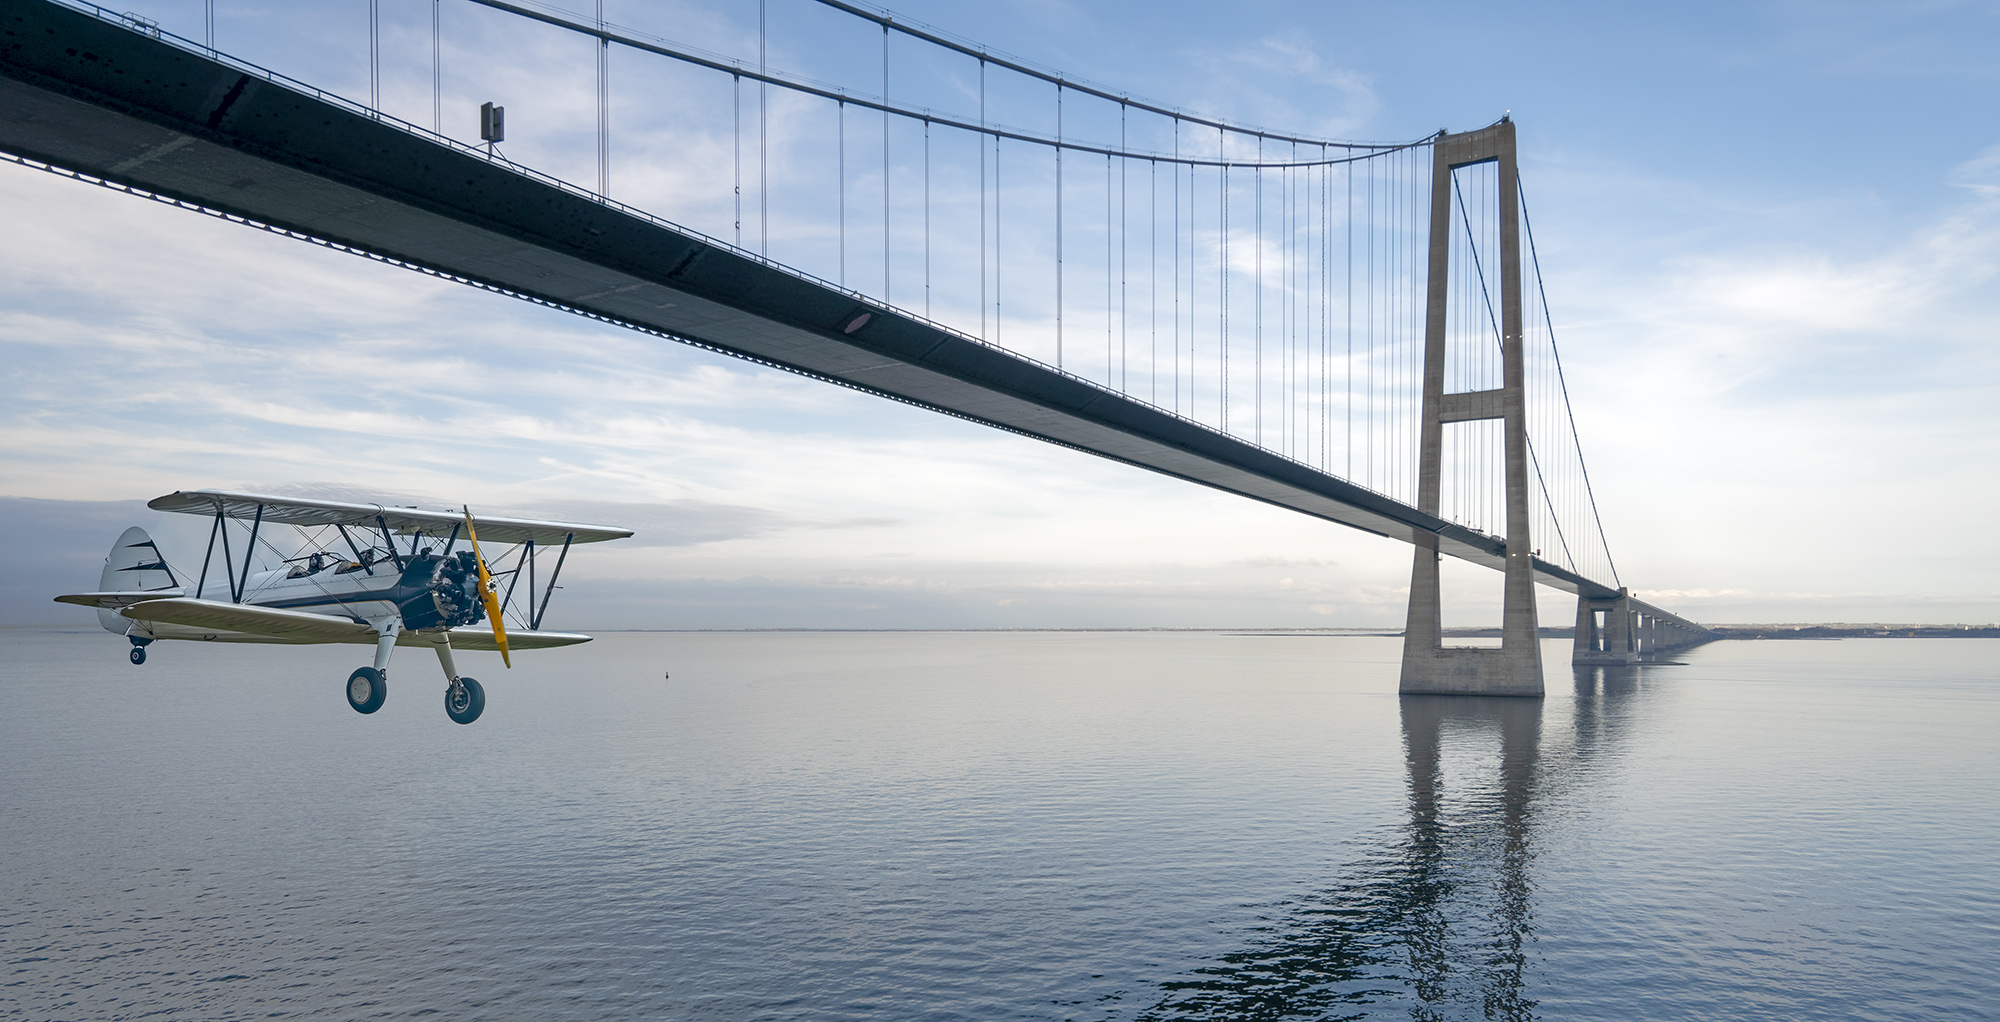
998, 826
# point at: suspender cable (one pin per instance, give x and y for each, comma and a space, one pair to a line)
927, 219
1257, 290
1326, 319
437, 69
982, 196
736, 124
840, 187
1059, 226
603, 106
763, 134
1562, 382
1223, 203
885, 165
374, 51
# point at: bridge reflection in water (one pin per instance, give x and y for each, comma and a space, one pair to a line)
1439, 920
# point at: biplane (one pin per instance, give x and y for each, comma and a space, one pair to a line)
354, 573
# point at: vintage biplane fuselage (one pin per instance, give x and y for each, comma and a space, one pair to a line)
364, 573
429, 592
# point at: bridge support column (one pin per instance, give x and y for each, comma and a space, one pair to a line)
1617, 642
1430, 667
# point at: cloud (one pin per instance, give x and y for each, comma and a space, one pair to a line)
1285, 562
1260, 83
674, 523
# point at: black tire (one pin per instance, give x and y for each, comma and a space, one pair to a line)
366, 689
138, 654
465, 701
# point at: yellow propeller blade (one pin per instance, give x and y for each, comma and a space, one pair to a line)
486, 592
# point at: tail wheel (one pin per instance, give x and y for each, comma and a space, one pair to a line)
366, 689
464, 701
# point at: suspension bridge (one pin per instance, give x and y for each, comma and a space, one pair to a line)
1355, 331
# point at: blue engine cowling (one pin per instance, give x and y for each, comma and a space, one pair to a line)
440, 591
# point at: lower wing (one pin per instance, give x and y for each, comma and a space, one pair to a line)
278, 625
482, 638
275, 625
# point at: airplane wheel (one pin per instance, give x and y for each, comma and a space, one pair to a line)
138, 654
366, 689
465, 701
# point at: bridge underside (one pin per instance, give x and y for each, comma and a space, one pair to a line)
86, 96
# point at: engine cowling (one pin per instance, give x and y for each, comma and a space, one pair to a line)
443, 592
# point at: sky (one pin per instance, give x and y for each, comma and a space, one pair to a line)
1770, 232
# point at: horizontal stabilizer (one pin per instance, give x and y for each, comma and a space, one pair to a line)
119, 600
280, 625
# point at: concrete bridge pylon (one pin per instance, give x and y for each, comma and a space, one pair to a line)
1430, 667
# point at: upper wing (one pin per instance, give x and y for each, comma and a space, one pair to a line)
482, 638
118, 600
286, 625
406, 520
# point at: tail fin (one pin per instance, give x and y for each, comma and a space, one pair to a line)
133, 565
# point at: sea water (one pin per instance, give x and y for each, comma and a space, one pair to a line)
980, 826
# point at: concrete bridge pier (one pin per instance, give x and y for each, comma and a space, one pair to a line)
1631, 632
1430, 667
1616, 641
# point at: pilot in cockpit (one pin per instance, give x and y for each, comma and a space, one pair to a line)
313, 565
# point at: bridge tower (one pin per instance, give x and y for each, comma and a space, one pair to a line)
1429, 666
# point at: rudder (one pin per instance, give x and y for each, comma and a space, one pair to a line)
133, 565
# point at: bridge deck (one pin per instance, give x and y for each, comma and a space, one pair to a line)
95, 98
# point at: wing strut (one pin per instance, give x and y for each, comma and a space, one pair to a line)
249, 549
228, 561
209, 554
358, 559
391, 541
535, 623
527, 559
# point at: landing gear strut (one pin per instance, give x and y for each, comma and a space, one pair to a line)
464, 699
367, 687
